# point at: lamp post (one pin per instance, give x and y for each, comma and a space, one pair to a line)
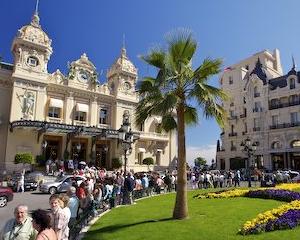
125, 136
249, 149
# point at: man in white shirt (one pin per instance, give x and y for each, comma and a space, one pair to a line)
20, 227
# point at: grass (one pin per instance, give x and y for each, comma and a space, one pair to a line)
208, 219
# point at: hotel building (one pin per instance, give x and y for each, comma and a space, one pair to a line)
264, 106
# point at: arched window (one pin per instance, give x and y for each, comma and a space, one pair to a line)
275, 145
295, 144
256, 92
292, 83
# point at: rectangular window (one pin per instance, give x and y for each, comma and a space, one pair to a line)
80, 116
54, 112
294, 117
275, 120
230, 80
103, 117
257, 107
142, 127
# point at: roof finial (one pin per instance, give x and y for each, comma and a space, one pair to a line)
123, 51
294, 64
35, 18
37, 7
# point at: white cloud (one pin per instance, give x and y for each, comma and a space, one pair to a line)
207, 151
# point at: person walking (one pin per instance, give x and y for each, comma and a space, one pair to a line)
41, 221
20, 227
21, 182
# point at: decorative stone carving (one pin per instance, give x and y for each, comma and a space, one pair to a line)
27, 101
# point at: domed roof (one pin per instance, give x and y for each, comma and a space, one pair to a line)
122, 64
33, 33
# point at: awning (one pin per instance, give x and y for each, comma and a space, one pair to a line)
80, 107
57, 103
142, 150
159, 150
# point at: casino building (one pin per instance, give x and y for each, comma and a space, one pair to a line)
73, 116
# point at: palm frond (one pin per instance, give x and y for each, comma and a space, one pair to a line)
208, 68
190, 115
156, 58
168, 122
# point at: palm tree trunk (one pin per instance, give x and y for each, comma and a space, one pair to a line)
181, 208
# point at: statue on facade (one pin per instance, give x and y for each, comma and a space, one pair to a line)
28, 104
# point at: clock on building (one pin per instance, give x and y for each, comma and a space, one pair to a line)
127, 86
84, 75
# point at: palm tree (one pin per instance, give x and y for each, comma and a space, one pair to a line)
175, 93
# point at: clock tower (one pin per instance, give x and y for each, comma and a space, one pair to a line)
32, 50
122, 77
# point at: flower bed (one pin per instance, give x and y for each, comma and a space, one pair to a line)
283, 217
276, 194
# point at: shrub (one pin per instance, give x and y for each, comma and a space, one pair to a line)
148, 161
24, 158
116, 163
41, 160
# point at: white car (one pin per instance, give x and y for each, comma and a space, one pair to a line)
61, 184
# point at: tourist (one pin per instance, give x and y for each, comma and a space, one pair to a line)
73, 205
20, 227
41, 221
21, 182
60, 221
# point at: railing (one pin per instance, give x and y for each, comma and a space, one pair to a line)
285, 125
54, 120
233, 134
232, 118
258, 109
282, 105
80, 123
153, 135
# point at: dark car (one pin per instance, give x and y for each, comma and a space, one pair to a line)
6, 195
29, 183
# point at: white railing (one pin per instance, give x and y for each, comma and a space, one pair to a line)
54, 120
153, 135
80, 123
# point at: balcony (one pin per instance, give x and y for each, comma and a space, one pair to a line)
285, 125
256, 129
153, 136
256, 95
232, 118
282, 105
258, 109
54, 120
233, 134
80, 123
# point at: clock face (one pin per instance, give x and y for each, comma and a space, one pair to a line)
127, 85
84, 76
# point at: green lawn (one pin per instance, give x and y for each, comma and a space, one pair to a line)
209, 219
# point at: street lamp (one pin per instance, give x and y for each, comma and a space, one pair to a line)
125, 136
249, 149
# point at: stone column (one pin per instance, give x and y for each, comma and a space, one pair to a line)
94, 112
69, 107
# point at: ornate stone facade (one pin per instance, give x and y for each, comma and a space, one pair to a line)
72, 110
264, 106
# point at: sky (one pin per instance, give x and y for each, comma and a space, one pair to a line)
231, 30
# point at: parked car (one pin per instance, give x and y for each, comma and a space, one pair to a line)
6, 195
61, 184
30, 184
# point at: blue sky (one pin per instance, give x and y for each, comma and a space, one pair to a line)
231, 30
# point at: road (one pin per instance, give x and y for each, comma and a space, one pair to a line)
33, 200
